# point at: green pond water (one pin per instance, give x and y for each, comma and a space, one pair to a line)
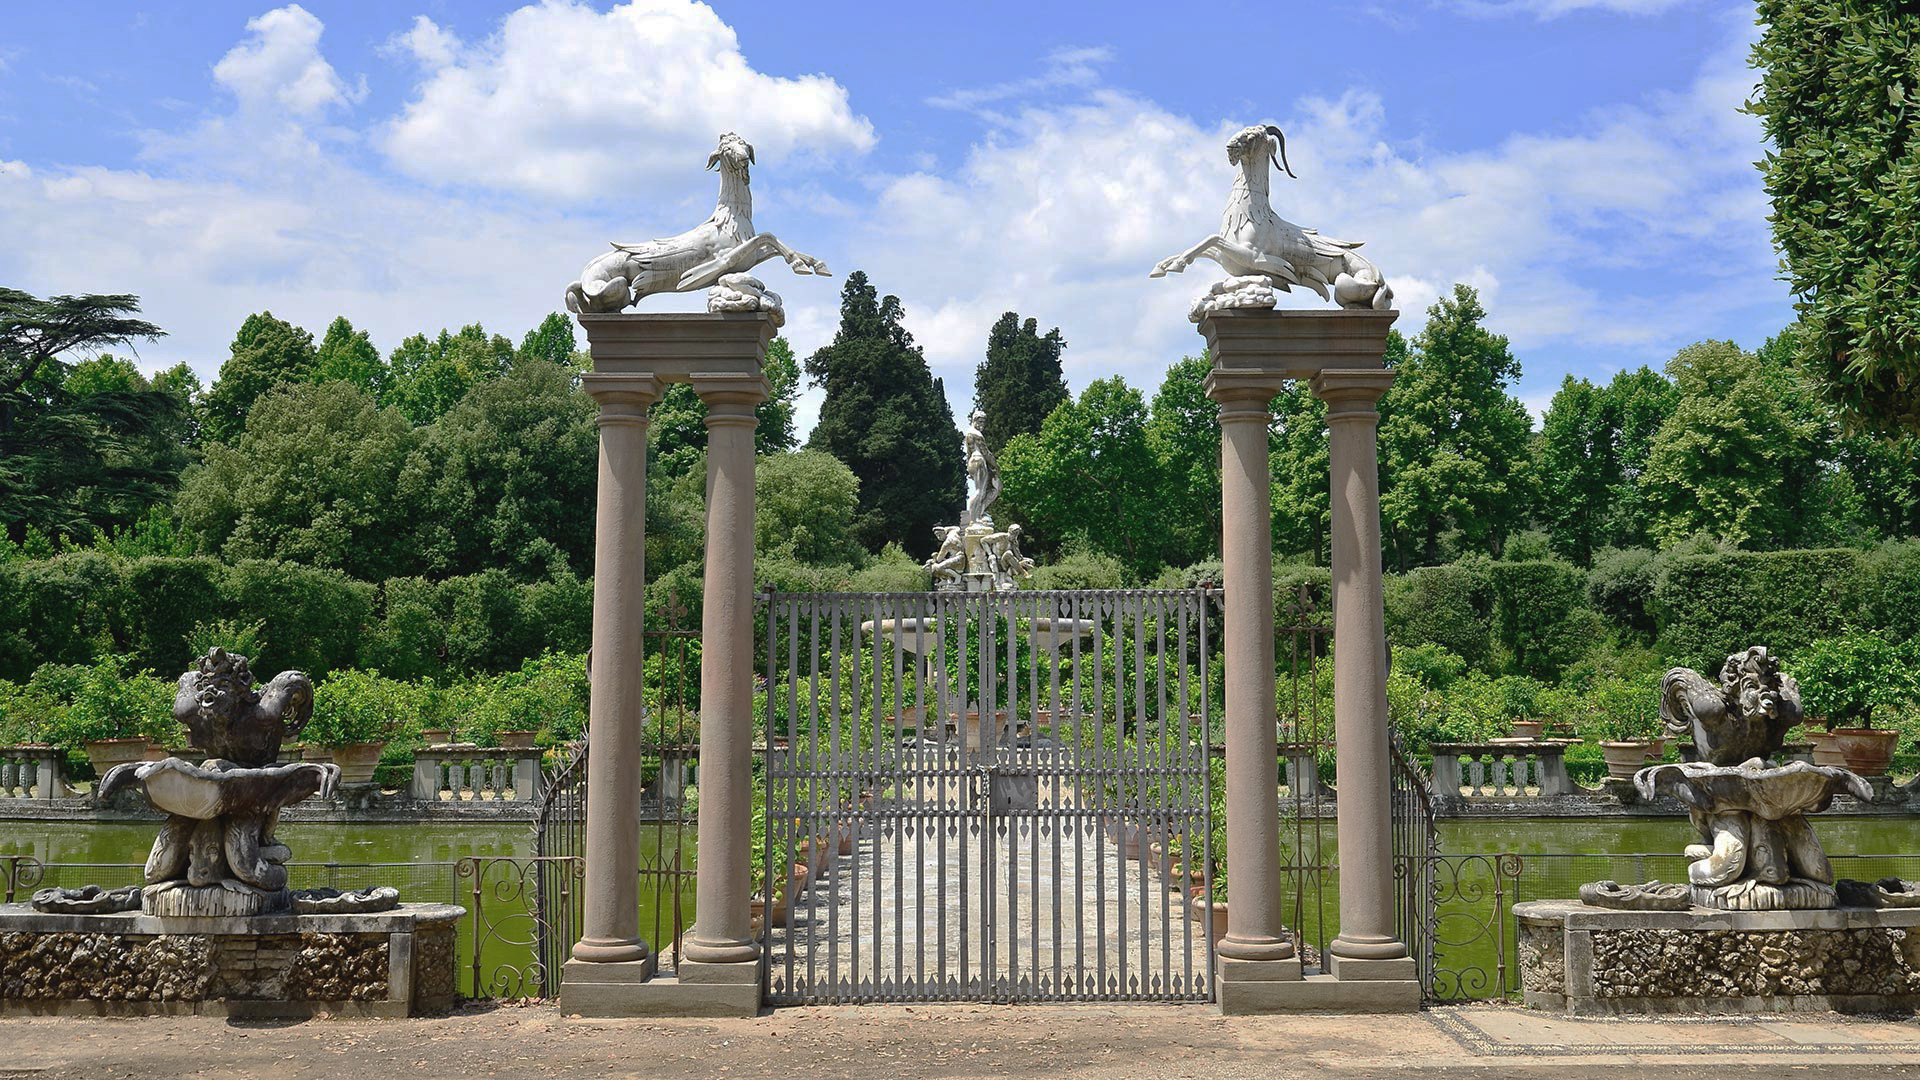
1554, 858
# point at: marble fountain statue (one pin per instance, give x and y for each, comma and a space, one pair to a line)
1760, 923
214, 927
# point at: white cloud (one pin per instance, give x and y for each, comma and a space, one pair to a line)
1553, 9
1633, 227
280, 67
1065, 67
567, 101
432, 46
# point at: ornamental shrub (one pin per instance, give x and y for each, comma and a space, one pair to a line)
360, 707
1620, 587
312, 619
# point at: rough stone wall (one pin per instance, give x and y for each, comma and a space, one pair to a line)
1543, 960
194, 967
339, 967
105, 967
433, 965
1724, 964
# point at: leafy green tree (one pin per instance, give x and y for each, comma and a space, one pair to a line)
1297, 460
1183, 433
265, 353
774, 432
804, 507
347, 355
320, 476
428, 377
1020, 382
1736, 462
1091, 473
887, 418
552, 341
1592, 450
677, 424
1453, 442
512, 473
1839, 100
85, 443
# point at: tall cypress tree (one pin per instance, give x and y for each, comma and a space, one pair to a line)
887, 418
1020, 381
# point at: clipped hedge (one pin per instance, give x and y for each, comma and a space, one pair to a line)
1450, 606
1541, 620
1714, 604
1886, 593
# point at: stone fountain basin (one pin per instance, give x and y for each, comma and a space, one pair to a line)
217, 788
1771, 794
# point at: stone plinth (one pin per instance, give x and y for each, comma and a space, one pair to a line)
1592, 961
389, 963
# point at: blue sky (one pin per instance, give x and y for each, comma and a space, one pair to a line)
1582, 162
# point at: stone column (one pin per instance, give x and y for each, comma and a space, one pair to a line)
1253, 792
611, 893
721, 934
1367, 923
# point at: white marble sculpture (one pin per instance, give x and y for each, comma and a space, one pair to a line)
1265, 252
714, 255
983, 471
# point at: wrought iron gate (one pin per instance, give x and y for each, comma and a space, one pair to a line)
986, 797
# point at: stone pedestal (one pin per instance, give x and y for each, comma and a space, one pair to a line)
633, 357
387, 964
1592, 961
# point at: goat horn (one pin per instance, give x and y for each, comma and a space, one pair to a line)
1282, 138
749, 153
712, 160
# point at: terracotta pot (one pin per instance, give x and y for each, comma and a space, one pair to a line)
320, 754
516, 740
1625, 758
356, 760
156, 752
1528, 729
1213, 914
436, 736
1867, 751
1656, 750
104, 754
1826, 749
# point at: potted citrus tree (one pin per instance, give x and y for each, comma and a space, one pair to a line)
1626, 738
113, 718
354, 714
1846, 679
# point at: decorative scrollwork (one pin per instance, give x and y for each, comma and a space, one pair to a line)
505, 909
22, 872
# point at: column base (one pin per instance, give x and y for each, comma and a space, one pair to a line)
592, 951
1254, 950
1369, 948
617, 990
725, 953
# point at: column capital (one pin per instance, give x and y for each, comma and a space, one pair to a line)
1351, 390
1242, 390
730, 393
622, 398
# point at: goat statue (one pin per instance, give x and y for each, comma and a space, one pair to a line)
1264, 251
714, 255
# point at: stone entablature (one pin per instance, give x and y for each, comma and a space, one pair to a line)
390, 963
1592, 961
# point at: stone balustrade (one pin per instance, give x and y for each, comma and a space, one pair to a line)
1503, 769
33, 772
460, 773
